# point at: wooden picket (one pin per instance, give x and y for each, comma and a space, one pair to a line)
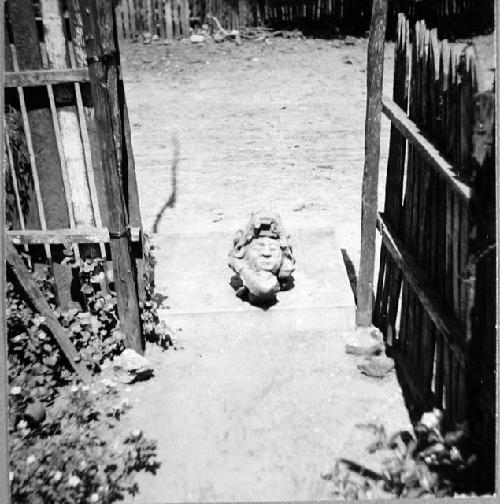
435, 298
166, 19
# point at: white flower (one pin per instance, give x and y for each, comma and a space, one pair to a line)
42, 335
15, 390
30, 459
37, 320
94, 497
57, 476
432, 420
73, 481
108, 383
455, 454
22, 424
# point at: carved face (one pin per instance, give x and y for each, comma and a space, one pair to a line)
264, 254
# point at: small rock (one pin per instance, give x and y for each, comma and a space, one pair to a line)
377, 367
131, 367
197, 39
235, 35
35, 413
363, 349
155, 38
218, 37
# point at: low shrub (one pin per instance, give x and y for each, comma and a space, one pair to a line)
77, 454
65, 441
427, 462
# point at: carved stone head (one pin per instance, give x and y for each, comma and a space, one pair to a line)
262, 255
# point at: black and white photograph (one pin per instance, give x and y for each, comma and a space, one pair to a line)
250, 251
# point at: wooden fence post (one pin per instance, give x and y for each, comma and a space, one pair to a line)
375, 74
103, 58
4, 381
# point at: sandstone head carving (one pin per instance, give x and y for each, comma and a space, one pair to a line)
262, 256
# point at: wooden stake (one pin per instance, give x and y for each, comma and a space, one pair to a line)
4, 381
103, 67
375, 76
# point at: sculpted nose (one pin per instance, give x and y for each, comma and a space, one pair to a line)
266, 251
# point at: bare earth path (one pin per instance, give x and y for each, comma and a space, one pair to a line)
242, 416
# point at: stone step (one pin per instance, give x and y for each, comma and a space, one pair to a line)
195, 276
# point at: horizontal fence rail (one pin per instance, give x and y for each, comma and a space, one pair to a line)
435, 296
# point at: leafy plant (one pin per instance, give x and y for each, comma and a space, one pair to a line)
78, 454
65, 444
427, 462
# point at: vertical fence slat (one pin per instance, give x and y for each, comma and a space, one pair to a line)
161, 18
103, 85
175, 18
169, 20
376, 45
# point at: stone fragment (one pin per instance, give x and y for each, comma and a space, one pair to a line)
218, 37
377, 367
131, 367
35, 413
197, 39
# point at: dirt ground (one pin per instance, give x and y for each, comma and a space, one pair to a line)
220, 131
275, 125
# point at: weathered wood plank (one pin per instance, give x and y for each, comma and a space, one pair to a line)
64, 236
123, 268
398, 117
161, 18
33, 78
70, 148
127, 33
169, 20
47, 166
438, 377
175, 18
375, 74
4, 380
133, 21
184, 12
90, 140
40, 304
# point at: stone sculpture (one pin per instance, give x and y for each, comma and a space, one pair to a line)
262, 258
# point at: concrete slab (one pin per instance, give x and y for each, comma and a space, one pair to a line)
194, 275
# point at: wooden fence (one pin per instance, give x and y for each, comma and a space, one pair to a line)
435, 298
171, 18
70, 180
